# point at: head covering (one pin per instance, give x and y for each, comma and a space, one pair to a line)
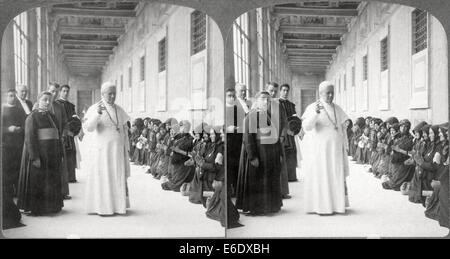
361, 122
171, 122
444, 127
200, 128
350, 123
294, 124
324, 85
156, 122
217, 128
217, 132
139, 123
435, 129
426, 129
207, 129
162, 126
392, 120
106, 86
185, 123
396, 126
405, 122
418, 127
377, 121
42, 94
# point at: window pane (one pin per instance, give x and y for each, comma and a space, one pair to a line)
420, 34
384, 54
198, 32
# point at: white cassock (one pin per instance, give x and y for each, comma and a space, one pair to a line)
106, 164
324, 161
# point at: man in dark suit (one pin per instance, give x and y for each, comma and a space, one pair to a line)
290, 149
68, 139
61, 121
21, 101
23, 107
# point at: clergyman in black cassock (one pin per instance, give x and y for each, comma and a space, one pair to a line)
259, 187
59, 112
235, 115
290, 149
12, 139
68, 139
40, 178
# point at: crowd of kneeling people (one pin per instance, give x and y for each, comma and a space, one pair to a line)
190, 162
415, 164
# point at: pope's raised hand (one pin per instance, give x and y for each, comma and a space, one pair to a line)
319, 106
100, 108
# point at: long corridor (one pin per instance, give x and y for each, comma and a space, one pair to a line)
374, 212
153, 213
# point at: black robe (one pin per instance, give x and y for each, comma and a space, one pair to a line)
151, 157
354, 143
163, 163
424, 172
220, 207
180, 173
433, 205
400, 172
205, 171
59, 112
281, 127
12, 145
290, 149
259, 188
69, 142
40, 188
444, 199
235, 117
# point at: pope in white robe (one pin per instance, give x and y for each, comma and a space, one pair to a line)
107, 164
325, 162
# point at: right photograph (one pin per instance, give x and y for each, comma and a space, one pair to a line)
337, 124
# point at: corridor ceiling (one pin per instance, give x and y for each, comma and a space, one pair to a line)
89, 31
312, 31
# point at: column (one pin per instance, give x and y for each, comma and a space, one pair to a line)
253, 87
32, 55
44, 53
7, 60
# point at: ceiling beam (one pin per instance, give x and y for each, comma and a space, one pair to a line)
86, 59
87, 51
91, 30
99, 43
86, 55
312, 42
321, 12
316, 29
309, 55
294, 58
308, 62
85, 62
309, 67
87, 67
86, 12
308, 51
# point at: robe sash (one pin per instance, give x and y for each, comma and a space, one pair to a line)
48, 133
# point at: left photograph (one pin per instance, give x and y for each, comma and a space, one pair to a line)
112, 122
